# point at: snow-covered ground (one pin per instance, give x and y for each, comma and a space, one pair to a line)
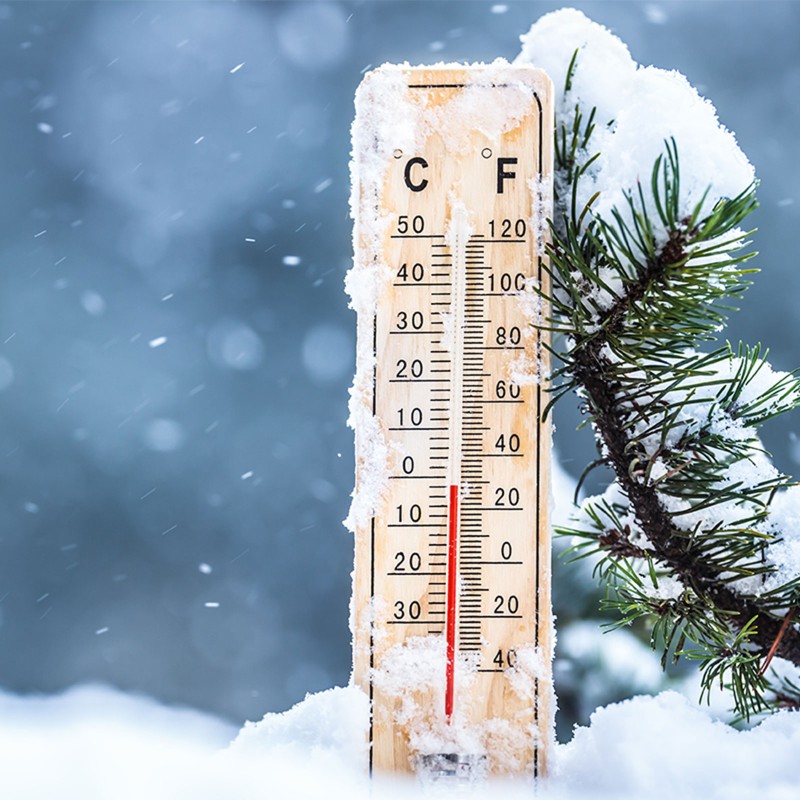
93, 743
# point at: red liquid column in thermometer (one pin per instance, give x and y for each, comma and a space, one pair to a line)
452, 570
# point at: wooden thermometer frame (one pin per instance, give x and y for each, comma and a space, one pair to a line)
453, 566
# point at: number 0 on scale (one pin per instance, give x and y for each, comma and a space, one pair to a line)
451, 608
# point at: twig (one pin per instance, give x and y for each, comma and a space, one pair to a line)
784, 625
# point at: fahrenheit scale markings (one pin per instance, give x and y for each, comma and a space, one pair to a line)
457, 549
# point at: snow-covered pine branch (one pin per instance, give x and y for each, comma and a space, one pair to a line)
647, 253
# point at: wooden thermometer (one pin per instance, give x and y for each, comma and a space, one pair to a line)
451, 611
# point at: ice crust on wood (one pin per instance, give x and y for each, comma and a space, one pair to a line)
413, 670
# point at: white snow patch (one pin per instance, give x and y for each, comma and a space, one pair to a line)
334, 721
91, 741
638, 108
664, 747
784, 521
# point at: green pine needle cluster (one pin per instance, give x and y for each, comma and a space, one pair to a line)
682, 538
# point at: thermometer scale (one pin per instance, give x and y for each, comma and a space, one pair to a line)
451, 607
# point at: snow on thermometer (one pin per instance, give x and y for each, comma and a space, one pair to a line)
451, 607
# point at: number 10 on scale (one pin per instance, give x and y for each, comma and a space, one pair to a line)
451, 610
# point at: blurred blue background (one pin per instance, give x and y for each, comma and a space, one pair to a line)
175, 344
